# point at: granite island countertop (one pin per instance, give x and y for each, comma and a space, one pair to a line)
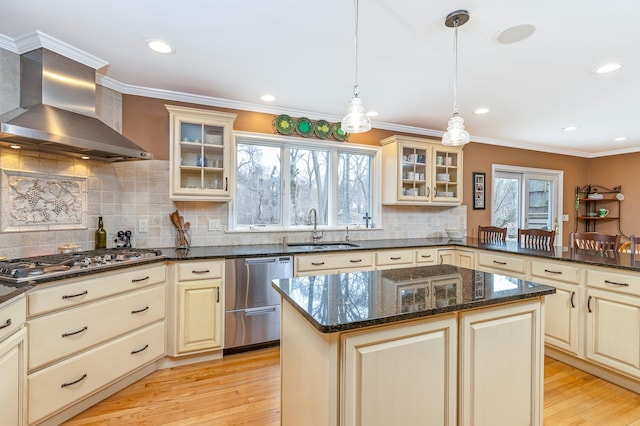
339, 302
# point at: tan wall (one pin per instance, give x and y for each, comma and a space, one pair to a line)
617, 170
480, 157
145, 121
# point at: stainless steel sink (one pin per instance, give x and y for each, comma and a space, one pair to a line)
323, 246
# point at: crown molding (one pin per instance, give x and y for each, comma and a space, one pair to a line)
39, 39
8, 43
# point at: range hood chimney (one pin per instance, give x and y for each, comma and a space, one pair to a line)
57, 112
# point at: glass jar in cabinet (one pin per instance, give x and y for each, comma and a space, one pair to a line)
200, 156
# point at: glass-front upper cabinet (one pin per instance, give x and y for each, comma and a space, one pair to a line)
418, 171
200, 154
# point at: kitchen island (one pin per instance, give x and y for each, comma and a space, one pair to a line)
427, 345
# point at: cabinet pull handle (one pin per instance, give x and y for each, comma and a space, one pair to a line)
573, 293
226, 184
137, 280
425, 256
140, 350
553, 272
259, 311
589, 304
146, 308
217, 294
615, 283
64, 385
428, 191
71, 296
317, 263
6, 324
499, 263
396, 258
201, 271
355, 260
85, 328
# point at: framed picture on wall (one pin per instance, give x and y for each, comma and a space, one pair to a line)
478, 191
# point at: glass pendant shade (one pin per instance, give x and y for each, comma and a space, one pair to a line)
456, 134
356, 120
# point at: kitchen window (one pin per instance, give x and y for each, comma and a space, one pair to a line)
278, 180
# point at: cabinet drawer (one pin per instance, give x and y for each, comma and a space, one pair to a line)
394, 257
60, 334
426, 256
504, 263
623, 283
200, 270
555, 271
81, 290
62, 384
12, 317
344, 260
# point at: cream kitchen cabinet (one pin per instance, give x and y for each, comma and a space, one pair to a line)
200, 154
612, 337
422, 386
333, 263
511, 367
88, 334
13, 362
457, 257
418, 171
390, 259
426, 256
562, 309
196, 302
514, 266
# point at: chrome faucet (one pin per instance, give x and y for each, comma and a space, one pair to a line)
315, 235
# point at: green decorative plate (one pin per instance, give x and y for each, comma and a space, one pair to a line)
322, 129
284, 124
304, 127
338, 133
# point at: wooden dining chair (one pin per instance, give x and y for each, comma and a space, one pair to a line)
536, 238
595, 242
632, 246
492, 234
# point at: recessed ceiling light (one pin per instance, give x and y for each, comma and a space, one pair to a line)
620, 139
161, 47
516, 33
481, 111
570, 128
268, 98
85, 157
372, 113
15, 146
608, 68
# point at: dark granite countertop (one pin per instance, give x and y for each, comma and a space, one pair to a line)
340, 302
9, 291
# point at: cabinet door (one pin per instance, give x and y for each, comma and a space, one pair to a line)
447, 175
613, 330
199, 315
561, 316
200, 154
13, 371
413, 172
501, 365
379, 390
455, 257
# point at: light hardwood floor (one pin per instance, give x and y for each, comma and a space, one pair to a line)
244, 389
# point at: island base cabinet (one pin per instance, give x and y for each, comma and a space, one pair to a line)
378, 389
501, 366
613, 331
561, 317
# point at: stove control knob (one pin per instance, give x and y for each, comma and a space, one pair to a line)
107, 258
119, 257
86, 261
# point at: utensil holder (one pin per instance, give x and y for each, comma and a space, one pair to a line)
183, 238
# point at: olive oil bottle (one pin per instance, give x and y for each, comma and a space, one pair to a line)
101, 235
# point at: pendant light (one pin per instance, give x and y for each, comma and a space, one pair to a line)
356, 120
456, 134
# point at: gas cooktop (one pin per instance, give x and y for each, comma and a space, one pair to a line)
42, 267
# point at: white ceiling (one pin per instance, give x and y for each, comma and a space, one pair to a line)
230, 52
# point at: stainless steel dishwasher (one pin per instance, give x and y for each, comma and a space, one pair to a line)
252, 305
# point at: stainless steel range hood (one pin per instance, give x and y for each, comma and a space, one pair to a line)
57, 112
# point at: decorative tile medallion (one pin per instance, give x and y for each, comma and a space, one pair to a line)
42, 202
